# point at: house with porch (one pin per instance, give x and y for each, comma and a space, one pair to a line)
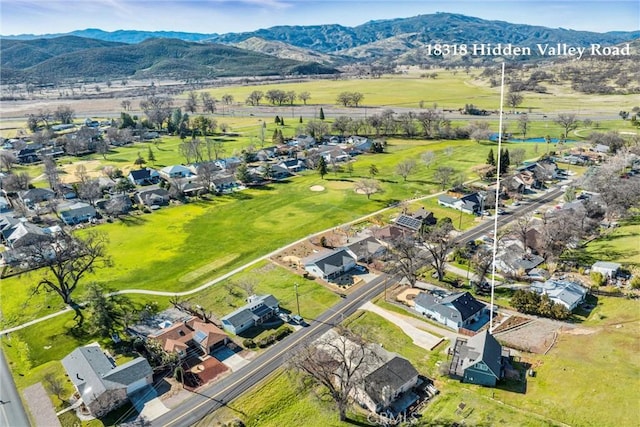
101, 384
330, 264
471, 203
153, 196
259, 309
478, 360
458, 310
76, 213
365, 249
175, 171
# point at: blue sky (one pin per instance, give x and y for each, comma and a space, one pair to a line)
223, 16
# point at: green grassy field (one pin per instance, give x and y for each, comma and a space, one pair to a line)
450, 90
621, 245
577, 372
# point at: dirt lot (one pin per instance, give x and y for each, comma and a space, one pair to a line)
533, 337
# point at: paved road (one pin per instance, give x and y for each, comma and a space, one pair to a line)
223, 392
12, 413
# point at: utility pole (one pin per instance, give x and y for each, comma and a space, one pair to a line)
297, 299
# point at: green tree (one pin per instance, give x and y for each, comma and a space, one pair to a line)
491, 158
322, 167
102, 310
277, 120
151, 156
242, 173
373, 170
139, 161
321, 114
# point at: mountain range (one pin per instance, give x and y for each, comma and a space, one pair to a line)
319, 49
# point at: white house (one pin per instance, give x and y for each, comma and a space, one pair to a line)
329, 265
455, 311
607, 269
569, 294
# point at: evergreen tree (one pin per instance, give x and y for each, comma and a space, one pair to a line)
280, 139
504, 161
491, 158
151, 156
321, 114
300, 121
242, 173
322, 167
277, 120
274, 138
281, 121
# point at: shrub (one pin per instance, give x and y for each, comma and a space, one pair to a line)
598, 278
635, 282
249, 343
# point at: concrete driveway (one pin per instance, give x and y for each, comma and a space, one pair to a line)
230, 359
420, 338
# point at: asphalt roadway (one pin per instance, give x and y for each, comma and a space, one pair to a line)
223, 392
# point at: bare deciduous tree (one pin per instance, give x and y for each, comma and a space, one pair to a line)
368, 187
443, 176
568, 122
405, 259
337, 361
439, 242
406, 168
66, 259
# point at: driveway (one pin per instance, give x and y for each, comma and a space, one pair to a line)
148, 404
420, 338
230, 359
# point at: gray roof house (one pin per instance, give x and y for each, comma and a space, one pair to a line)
102, 385
258, 309
36, 195
365, 249
76, 213
4, 205
153, 196
455, 311
23, 234
175, 171
607, 269
329, 265
569, 294
386, 381
144, 176
513, 259
471, 203
478, 360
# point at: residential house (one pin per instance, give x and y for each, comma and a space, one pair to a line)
457, 310
101, 384
189, 336
144, 176
292, 165
366, 249
118, 204
607, 269
569, 294
76, 213
331, 264
28, 155
23, 234
36, 195
259, 309
153, 196
5, 206
333, 154
303, 142
385, 383
471, 203
513, 259
416, 221
223, 182
389, 233
175, 171
478, 360
267, 153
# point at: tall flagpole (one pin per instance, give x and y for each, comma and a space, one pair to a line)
495, 216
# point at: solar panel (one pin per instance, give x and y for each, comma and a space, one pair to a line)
199, 336
409, 222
